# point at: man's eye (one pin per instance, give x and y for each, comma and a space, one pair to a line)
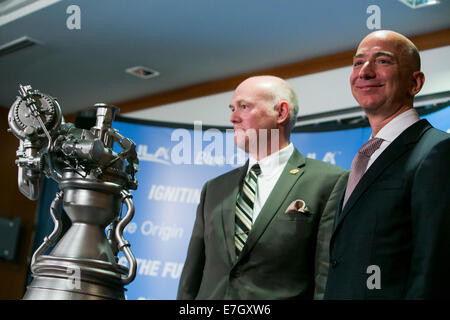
357, 63
383, 61
244, 106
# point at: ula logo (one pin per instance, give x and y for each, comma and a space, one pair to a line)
161, 155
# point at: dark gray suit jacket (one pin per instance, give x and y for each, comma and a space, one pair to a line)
398, 219
286, 254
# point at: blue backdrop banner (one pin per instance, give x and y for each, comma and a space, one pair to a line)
174, 165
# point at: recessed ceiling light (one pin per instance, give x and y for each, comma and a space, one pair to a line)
17, 44
142, 72
419, 3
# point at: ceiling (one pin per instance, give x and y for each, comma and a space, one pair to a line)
187, 42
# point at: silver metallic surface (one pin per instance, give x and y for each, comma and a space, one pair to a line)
94, 182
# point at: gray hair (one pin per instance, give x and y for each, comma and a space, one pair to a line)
284, 91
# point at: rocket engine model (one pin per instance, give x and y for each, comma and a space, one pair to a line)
94, 182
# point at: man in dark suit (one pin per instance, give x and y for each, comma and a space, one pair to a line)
392, 231
280, 249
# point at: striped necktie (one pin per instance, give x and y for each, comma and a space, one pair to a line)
244, 208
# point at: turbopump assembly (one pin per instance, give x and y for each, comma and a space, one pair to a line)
94, 183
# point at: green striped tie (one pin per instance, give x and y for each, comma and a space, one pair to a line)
244, 208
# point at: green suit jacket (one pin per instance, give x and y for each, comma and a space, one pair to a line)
286, 254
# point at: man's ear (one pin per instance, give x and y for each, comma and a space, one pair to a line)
417, 83
283, 111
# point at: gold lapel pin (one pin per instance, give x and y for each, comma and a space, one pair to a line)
294, 171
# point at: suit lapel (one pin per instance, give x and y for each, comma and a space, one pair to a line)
399, 146
229, 207
276, 199
338, 212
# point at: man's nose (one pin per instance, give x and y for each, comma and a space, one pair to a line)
234, 118
367, 71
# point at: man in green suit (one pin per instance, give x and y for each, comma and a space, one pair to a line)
392, 233
262, 231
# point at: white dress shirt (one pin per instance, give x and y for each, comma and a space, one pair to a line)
271, 169
392, 130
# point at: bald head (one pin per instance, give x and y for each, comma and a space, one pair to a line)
276, 90
405, 46
386, 76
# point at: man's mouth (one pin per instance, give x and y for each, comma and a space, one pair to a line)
368, 87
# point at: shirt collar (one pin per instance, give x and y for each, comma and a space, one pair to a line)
397, 125
274, 161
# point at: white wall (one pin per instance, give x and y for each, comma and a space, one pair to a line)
318, 92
